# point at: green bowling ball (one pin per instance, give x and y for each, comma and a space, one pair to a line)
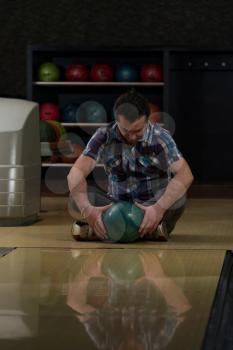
122, 221
47, 133
122, 267
48, 71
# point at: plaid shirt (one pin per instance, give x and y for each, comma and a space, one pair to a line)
140, 172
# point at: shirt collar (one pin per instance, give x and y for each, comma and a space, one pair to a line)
145, 137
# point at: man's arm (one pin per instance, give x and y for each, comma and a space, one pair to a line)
77, 180
175, 189
178, 185
78, 188
84, 166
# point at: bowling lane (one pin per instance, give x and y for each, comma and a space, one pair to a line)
108, 299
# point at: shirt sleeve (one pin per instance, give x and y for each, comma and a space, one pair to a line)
170, 150
96, 144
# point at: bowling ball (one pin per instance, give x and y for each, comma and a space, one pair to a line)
77, 72
68, 114
91, 112
49, 152
122, 221
122, 267
59, 129
49, 111
126, 72
72, 157
47, 132
51, 159
101, 72
48, 72
154, 113
151, 72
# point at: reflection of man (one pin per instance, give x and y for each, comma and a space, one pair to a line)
143, 165
141, 314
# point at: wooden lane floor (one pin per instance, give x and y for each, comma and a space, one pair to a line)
106, 298
206, 224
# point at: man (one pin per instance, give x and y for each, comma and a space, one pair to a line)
143, 166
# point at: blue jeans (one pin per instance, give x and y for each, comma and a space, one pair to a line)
171, 216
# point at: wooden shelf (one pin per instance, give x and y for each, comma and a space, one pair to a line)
86, 125
93, 83
59, 165
92, 125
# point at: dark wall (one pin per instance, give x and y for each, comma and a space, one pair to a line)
105, 23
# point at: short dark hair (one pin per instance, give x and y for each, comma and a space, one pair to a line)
132, 106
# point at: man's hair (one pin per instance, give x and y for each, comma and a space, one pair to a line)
131, 106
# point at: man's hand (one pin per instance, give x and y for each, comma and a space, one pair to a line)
153, 214
93, 216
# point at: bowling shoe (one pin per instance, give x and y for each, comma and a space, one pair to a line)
160, 234
81, 231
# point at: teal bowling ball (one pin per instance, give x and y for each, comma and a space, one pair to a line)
126, 72
91, 112
122, 221
122, 267
68, 114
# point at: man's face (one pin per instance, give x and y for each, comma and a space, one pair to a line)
131, 132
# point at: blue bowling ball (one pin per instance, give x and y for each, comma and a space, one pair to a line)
68, 114
91, 112
126, 72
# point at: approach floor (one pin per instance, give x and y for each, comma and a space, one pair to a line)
106, 298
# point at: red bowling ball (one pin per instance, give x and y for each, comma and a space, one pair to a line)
151, 73
77, 72
154, 116
101, 72
49, 111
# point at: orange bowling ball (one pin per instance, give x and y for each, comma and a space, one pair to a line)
71, 158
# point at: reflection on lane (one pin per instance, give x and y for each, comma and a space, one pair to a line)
125, 300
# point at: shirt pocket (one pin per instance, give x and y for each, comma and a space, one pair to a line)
113, 165
148, 164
